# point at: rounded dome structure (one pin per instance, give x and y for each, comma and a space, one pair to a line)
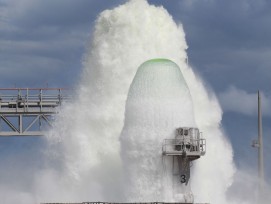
160, 88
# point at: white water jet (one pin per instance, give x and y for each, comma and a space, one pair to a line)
158, 103
89, 130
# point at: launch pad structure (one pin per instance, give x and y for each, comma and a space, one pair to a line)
126, 203
28, 111
187, 146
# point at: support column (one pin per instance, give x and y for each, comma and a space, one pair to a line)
21, 123
260, 150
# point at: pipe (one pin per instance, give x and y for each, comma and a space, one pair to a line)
260, 150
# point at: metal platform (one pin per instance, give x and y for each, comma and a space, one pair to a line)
178, 147
125, 203
28, 111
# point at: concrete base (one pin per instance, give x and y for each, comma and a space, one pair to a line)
124, 203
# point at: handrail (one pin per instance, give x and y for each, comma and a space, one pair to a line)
14, 89
183, 144
25, 98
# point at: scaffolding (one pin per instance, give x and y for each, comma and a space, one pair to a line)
29, 111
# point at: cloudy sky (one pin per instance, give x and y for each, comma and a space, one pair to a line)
43, 42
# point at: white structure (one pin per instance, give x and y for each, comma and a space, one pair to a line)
186, 147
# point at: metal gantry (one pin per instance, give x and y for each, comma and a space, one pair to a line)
29, 111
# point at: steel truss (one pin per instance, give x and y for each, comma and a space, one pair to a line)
29, 111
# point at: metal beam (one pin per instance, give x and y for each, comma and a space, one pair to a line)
26, 133
32, 123
19, 106
47, 120
9, 124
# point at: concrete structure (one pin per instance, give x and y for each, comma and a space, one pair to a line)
28, 111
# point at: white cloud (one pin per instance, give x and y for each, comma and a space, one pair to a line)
240, 101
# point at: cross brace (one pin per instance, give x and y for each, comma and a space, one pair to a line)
29, 112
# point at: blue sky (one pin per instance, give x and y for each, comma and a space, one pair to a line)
43, 42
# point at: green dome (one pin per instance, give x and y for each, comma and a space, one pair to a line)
159, 60
159, 78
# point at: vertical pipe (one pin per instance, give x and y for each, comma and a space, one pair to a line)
40, 97
27, 99
20, 124
260, 150
59, 96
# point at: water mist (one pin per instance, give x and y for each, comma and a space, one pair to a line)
124, 38
158, 102
83, 160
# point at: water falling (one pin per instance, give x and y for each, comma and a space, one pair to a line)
87, 137
158, 102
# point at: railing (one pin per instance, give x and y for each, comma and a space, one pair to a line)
196, 146
25, 98
29, 111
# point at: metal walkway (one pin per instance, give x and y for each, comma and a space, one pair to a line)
29, 111
125, 203
177, 147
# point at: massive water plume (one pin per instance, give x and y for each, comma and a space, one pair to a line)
124, 38
158, 102
84, 162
